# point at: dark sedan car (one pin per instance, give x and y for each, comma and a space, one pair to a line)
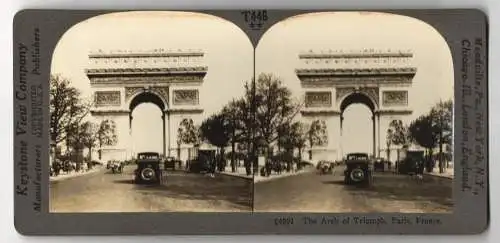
171, 163
359, 169
149, 169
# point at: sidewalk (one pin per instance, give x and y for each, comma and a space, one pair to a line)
73, 174
259, 178
449, 173
240, 172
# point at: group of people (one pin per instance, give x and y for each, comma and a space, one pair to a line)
68, 166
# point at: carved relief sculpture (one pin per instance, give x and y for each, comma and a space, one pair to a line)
162, 91
107, 98
186, 97
390, 98
318, 99
373, 93
131, 91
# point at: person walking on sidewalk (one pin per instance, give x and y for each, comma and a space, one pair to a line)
212, 163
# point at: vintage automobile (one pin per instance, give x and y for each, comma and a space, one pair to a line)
379, 164
116, 166
413, 163
359, 169
170, 163
325, 167
149, 169
202, 163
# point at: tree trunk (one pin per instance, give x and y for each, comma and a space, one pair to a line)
233, 160
178, 151
300, 158
90, 153
440, 156
222, 166
430, 159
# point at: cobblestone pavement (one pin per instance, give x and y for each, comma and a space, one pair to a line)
311, 192
107, 192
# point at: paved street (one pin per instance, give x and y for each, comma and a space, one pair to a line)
106, 192
311, 192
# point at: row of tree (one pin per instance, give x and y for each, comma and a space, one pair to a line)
258, 122
430, 131
68, 125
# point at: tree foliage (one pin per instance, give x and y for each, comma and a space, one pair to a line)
106, 135
216, 130
188, 133
423, 132
67, 109
274, 107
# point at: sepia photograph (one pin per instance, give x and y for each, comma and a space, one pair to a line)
147, 111
354, 114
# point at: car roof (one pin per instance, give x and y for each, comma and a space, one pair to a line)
148, 153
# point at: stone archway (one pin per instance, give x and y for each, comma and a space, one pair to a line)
333, 80
148, 96
357, 97
121, 80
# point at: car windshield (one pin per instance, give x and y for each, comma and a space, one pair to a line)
357, 157
148, 156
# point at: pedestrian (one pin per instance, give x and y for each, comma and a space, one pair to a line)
213, 164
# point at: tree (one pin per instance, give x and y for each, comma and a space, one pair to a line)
238, 113
426, 134
273, 108
388, 142
300, 136
216, 130
317, 135
294, 136
106, 135
399, 135
90, 139
442, 119
67, 109
187, 133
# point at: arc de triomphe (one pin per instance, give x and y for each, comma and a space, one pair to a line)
333, 80
121, 80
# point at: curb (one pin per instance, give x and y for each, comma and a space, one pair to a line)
54, 179
235, 175
277, 177
441, 176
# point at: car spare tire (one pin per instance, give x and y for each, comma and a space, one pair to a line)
148, 174
357, 175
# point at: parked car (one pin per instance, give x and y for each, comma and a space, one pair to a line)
379, 164
149, 169
116, 166
413, 163
202, 162
170, 163
325, 167
359, 169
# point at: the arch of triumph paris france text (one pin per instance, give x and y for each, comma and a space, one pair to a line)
333, 80
121, 80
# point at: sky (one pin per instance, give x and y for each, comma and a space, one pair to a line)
277, 52
229, 57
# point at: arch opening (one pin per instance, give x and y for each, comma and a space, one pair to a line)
147, 97
357, 98
145, 106
359, 102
